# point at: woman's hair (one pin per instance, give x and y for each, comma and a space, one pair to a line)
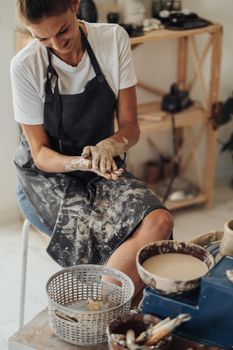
32, 11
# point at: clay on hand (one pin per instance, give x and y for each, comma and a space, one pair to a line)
102, 154
83, 164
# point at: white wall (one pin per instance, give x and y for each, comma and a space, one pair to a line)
8, 129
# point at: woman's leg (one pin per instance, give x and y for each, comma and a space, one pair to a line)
157, 225
29, 211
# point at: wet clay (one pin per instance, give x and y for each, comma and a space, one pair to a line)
178, 267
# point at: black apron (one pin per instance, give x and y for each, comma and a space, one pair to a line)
90, 215
66, 116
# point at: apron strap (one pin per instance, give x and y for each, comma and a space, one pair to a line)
51, 72
91, 54
57, 106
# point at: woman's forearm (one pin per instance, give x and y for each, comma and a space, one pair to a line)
125, 138
52, 162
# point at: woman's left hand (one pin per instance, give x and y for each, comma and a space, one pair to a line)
101, 158
102, 154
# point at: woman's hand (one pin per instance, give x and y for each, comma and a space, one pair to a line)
83, 164
101, 155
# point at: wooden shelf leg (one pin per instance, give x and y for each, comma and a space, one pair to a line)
210, 163
182, 62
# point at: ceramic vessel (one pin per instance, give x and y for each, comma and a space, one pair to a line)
138, 322
208, 238
226, 247
166, 285
132, 11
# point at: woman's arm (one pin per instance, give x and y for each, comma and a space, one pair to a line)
43, 156
127, 118
127, 135
50, 161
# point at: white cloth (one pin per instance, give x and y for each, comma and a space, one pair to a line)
110, 43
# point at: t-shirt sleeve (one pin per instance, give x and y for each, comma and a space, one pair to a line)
127, 75
27, 103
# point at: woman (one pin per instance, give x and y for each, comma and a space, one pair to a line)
72, 183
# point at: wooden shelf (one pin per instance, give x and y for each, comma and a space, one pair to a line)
199, 199
201, 140
161, 34
150, 113
165, 34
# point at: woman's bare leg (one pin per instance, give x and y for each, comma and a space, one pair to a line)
156, 226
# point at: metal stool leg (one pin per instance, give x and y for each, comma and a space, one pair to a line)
25, 233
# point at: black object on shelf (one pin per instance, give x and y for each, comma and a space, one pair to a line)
180, 21
133, 30
87, 11
176, 100
113, 17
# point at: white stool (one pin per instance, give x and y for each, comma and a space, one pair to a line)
24, 253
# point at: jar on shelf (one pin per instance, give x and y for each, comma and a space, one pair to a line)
132, 11
87, 11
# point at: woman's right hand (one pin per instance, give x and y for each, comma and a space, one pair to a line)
80, 163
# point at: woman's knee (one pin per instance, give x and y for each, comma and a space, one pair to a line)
159, 223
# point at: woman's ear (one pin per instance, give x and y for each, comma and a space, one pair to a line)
75, 6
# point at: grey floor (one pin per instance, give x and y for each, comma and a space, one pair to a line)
189, 222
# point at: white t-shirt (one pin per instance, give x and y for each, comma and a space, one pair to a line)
110, 43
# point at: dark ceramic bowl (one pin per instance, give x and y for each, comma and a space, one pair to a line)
138, 322
166, 285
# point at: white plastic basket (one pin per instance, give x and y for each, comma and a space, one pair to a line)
83, 282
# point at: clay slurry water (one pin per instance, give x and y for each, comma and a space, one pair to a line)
175, 266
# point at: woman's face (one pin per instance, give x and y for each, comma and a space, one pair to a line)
58, 33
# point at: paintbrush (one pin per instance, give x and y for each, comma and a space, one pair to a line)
144, 336
167, 328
